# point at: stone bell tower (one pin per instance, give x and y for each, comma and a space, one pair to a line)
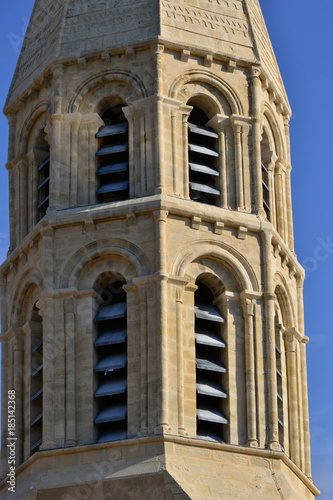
152, 310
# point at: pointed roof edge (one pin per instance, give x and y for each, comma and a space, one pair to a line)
264, 49
37, 11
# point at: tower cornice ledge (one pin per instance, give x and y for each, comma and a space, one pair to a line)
166, 449
242, 221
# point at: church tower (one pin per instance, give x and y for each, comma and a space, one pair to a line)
152, 309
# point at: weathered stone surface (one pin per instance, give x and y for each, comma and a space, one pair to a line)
156, 59
60, 30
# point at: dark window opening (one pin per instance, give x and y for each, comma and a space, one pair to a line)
265, 190
112, 157
36, 392
43, 175
203, 155
111, 366
279, 382
210, 367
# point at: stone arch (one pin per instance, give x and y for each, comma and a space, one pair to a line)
115, 82
27, 292
97, 257
284, 299
220, 253
274, 131
215, 275
203, 82
36, 121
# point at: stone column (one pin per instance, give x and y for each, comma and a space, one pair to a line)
172, 127
32, 190
53, 130
160, 149
9, 166
180, 365
238, 166
240, 128
71, 127
19, 393
47, 251
70, 408
256, 139
279, 196
270, 297
134, 147
58, 87
144, 359
291, 361
162, 308
4, 403
289, 209
181, 285
28, 330
300, 303
286, 119
11, 136
251, 410
12, 224
185, 113
93, 123
305, 403
24, 208
220, 123
45, 306
141, 157
82, 181
157, 53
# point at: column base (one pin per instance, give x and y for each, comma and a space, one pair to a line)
274, 446
252, 443
47, 445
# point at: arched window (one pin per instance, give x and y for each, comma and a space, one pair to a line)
111, 366
42, 154
112, 157
279, 379
202, 155
210, 367
36, 381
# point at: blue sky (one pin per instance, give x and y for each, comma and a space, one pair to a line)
302, 38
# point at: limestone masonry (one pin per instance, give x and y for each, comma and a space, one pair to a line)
152, 302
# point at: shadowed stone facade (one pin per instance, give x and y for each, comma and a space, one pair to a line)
159, 62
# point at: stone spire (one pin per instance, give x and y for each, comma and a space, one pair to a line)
67, 30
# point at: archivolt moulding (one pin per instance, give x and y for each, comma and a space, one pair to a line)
285, 301
31, 283
268, 113
105, 255
208, 78
222, 253
38, 114
90, 92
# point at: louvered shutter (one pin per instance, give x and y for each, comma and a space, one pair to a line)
111, 371
209, 372
112, 157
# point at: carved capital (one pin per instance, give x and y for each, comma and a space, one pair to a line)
58, 70
161, 215
247, 305
69, 305
208, 60
218, 122
240, 124
255, 71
